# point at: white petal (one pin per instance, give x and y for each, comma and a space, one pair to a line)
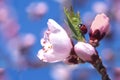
61, 43
40, 55
42, 41
59, 38
50, 56
54, 26
58, 45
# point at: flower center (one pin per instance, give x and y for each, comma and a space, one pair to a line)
46, 42
47, 47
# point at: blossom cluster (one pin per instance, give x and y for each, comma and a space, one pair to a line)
58, 46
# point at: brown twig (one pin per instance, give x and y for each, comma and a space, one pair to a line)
97, 63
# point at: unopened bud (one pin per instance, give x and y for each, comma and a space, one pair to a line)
99, 28
84, 51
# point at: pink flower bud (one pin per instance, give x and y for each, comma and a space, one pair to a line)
99, 27
84, 51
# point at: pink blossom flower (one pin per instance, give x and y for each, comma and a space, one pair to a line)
116, 73
84, 51
6, 12
99, 7
99, 27
28, 40
3, 75
10, 29
37, 9
64, 72
3, 14
56, 43
63, 3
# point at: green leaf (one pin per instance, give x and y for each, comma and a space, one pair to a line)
73, 20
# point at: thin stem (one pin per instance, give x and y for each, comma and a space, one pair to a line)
97, 63
94, 43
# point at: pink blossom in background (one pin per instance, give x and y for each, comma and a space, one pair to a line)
108, 55
3, 75
100, 7
6, 12
19, 47
84, 51
117, 73
61, 72
10, 28
63, 3
14, 46
56, 43
28, 40
115, 10
3, 14
37, 9
87, 18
